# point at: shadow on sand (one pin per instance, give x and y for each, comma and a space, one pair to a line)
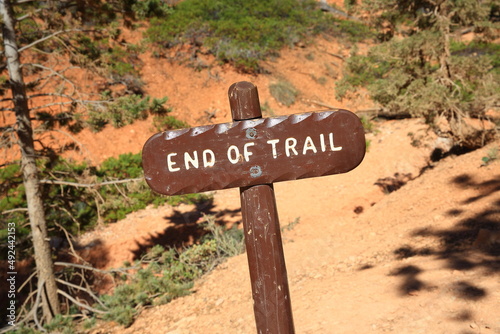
186, 228
454, 245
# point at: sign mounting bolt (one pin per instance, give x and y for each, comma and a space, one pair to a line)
255, 171
251, 133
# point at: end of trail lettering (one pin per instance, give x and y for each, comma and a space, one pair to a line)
228, 155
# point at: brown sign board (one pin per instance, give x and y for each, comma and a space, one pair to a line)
251, 152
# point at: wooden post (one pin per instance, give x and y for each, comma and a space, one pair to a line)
264, 248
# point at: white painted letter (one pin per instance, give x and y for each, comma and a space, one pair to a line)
206, 162
193, 160
273, 142
309, 145
171, 164
332, 146
247, 153
290, 144
236, 154
322, 141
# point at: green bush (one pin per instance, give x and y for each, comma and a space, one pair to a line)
60, 324
150, 8
354, 31
127, 109
413, 87
240, 32
170, 274
422, 68
168, 122
284, 92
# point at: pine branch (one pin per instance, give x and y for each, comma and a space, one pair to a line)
14, 210
53, 73
76, 141
86, 267
41, 40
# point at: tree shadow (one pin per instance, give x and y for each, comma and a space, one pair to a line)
186, 228
94, 252
411, 283
456, 245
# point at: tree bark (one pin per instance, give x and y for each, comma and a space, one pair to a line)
24, 130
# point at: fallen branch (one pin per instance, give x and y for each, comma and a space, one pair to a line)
336, 55
327, 8
321, 104
89, 185
383, 113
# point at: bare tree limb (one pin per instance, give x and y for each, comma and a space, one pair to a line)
321, 104
26, 281
86, 290
76, 141
14, 210
53, 73
35, 306
81, 289
66, 233
43, 39
81, 266
327, 8
89, 185
336, 55
91, 309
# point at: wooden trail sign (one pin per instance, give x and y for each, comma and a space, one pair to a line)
252, 153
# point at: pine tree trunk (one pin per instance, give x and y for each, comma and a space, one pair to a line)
43, 256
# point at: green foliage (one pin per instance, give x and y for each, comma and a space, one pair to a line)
60, 324
430, 72
126, 166
368, 143
25, 330
89, 323
491, 156
367, 123
350, 4
117, 59
126, 110
78, 209
4, 84
150, 8
168, 122
291, 225
228, 242
29, 31
170, 274
354, 31
284, 92
157, 106
267, 111
239, 32
478, 48
401, 76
